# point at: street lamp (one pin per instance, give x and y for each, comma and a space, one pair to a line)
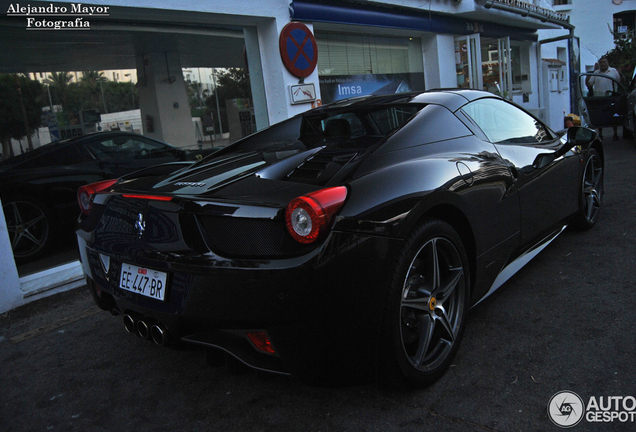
216, 93
132, 90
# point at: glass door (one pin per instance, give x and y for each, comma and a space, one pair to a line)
497, 66
468, 61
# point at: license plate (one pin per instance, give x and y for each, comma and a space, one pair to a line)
143, 281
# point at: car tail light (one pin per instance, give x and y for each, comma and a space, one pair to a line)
307, 217
148, 197
261, 341
86, 193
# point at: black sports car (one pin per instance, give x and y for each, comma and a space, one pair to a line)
349, 241
39, 188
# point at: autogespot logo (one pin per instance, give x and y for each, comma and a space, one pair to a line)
566, 409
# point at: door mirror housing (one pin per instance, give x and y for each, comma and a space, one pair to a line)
577, 136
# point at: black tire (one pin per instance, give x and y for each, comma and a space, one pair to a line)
590, 192
427, 305
29, 227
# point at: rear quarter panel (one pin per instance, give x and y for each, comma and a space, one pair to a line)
408, 186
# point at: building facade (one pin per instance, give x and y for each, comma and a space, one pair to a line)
361, 47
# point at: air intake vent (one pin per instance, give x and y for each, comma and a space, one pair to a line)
320, 167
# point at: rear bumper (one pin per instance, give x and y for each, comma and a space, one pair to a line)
318, 310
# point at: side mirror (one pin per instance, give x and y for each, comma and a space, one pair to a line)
576, 136
579, 136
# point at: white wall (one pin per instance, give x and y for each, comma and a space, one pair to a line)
439, 61
10, 294
593, 20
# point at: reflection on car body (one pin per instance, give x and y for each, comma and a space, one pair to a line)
334, 251
38, 188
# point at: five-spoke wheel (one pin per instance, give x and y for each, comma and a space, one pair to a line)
427, 308
591, 195
432, 305
29, 228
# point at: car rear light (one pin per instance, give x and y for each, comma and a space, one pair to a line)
86, 193
148, 197
261, 341
307, 217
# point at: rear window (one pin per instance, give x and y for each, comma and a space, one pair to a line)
322, 127
378, 122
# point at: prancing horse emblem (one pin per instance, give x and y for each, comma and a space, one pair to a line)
140, 225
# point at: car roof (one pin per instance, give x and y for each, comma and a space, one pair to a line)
451, 98
98, 135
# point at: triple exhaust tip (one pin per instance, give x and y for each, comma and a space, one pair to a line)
146, 330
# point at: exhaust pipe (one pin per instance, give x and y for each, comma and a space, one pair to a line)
160, 334
142, 329
129, 324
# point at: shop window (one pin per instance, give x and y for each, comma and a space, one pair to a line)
355, 65
520, 63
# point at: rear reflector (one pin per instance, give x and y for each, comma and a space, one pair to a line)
261, 341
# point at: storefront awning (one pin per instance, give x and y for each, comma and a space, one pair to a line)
339, 12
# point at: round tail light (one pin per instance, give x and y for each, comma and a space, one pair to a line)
86, 193
308, 217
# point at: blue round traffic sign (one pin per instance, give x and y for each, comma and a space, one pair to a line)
298, 49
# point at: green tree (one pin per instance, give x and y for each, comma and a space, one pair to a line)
118, 96
233, 83
92, 84
59, 83
623, 58
12, 117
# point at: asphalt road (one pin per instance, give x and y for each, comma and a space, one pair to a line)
565, 322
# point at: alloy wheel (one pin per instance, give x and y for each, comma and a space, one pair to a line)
432, 305
28, 228
592, 189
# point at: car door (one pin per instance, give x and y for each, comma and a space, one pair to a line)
546, 182
602, 106
630, 121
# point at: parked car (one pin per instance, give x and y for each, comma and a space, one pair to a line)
39, 188
348, 241
612, 108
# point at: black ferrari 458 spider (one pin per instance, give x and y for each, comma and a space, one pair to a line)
348, 241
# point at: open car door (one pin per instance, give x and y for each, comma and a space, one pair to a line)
602, 109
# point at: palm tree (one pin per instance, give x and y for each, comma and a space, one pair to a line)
59, 83
93, 82
195, 90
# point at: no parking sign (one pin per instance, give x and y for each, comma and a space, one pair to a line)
298, 49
